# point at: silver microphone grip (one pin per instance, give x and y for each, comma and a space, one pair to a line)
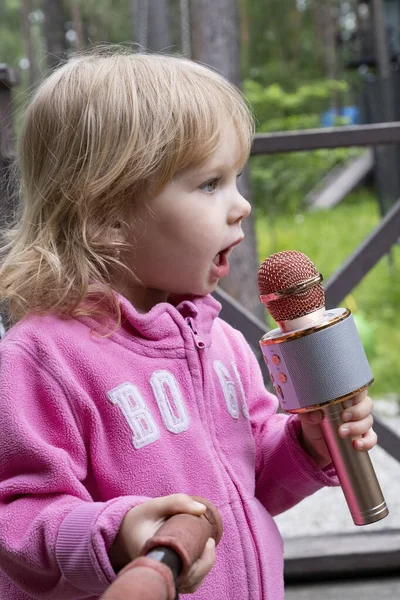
355, 471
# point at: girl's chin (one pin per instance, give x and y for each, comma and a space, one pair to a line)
197, 288
195, 292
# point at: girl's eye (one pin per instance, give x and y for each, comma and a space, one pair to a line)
209, 186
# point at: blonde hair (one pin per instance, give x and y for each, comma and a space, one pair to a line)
97, 133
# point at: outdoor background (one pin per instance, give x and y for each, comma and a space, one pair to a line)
302, 64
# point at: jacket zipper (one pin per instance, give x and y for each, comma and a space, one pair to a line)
201, 345
197, 339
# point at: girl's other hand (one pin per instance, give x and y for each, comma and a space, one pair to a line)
144, 520
357, 423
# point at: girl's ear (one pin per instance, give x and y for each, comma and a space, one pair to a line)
117, 233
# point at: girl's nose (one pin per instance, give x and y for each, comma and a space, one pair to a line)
246, 207
240, 208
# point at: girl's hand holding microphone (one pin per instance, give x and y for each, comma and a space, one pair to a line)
357, 425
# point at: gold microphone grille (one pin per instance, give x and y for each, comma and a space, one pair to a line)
285, 270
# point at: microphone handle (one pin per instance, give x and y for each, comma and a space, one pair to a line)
355, 471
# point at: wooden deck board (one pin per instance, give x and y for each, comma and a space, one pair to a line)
367, 589
332, 557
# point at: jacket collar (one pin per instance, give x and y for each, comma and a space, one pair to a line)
166, 324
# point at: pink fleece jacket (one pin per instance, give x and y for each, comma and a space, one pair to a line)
91, 426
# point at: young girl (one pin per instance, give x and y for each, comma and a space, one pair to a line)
122, 392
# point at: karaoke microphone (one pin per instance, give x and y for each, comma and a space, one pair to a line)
316, 361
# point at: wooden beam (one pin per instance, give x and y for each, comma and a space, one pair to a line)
329, 137
333, 557
365, 588
387, 439
370, 251
240, 318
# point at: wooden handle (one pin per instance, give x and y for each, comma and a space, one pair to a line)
179, 542
188, 534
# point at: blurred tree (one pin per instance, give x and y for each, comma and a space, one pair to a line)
159, 35
11, 40
140, 22
185, 37
282, 46
77, 24
179, 25
26, 10
215, 42
327, 28
54, 31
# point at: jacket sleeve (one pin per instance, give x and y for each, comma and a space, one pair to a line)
285, 473
53, 537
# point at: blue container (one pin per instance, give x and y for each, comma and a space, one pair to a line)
350, 113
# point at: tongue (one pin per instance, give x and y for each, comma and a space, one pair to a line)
222, 264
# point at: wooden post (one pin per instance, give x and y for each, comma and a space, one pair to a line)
186, 39
8, 79
54, 32
386, 159
159, 38
381, 46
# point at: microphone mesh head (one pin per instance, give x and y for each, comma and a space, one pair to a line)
285, 270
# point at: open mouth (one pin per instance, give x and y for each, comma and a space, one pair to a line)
221, 260
217, 259
222, 256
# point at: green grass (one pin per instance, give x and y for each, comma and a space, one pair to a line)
328, 237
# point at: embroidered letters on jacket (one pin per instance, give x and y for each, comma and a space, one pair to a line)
171, 404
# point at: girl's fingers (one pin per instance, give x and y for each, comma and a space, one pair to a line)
367, 442
356, 428
143, 521
357, 411
311, 418
166, 506
199, 569
355, 399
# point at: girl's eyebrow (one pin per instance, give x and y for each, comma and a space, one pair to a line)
199, 172
219, 168
206, 171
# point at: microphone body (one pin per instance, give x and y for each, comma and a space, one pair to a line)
316, 361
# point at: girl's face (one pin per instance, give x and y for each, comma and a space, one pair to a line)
180, 241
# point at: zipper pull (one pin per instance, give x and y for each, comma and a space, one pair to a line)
198, 341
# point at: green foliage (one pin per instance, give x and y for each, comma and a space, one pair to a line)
328, 237
273, 102
10, 33
282, 44
280, 182
106, 20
